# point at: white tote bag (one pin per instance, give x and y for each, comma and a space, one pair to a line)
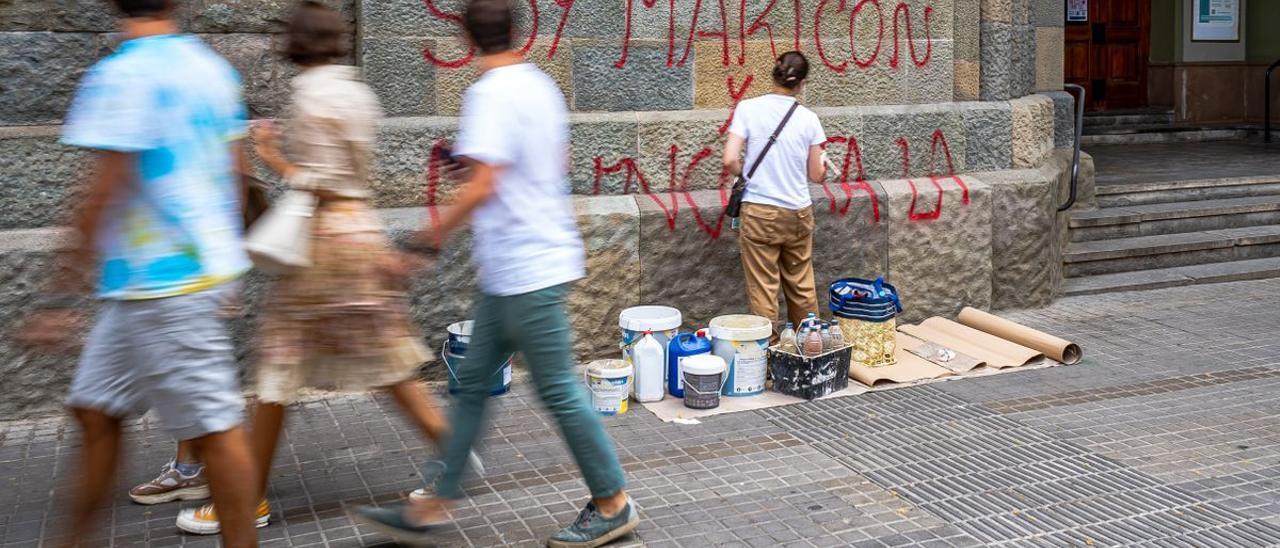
280, 242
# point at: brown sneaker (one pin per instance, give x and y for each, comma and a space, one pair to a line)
171, 485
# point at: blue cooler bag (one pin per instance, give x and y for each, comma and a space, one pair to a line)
866, 311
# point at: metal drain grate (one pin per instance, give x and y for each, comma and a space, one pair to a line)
1002, 481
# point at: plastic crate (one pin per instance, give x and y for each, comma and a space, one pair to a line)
810, 377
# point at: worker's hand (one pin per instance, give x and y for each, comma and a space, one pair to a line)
400, 268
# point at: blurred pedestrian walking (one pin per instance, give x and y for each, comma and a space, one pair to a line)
513, 143
341, 324
161, 217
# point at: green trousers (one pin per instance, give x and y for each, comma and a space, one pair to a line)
537, 326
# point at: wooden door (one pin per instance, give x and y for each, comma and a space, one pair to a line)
1108, 53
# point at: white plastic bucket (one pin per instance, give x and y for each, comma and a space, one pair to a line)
663, 321
454, 353
609, 382
742, 340
704, 378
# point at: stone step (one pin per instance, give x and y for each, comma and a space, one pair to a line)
1134, 119
1251, 269
1169, 250
1123, 195
1171, 218
1142, 135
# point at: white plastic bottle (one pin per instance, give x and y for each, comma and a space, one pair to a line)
837, 335
810, 321
826, 337
648, 359
787, 340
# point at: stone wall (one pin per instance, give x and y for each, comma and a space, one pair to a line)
950, 169
987, 240
46, 45
622, 153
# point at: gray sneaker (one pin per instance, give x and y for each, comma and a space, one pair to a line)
390, 521
592, 529
434, 469
171, 485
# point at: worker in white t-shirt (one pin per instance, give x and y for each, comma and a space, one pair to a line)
776, 236
513, 142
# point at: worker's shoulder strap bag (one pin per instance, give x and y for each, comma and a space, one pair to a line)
734, 208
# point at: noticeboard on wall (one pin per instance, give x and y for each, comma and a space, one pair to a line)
1215, 21
1077, 11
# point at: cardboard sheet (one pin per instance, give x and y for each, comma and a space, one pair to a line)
1054, 347
908, 367
673, 410
991, 350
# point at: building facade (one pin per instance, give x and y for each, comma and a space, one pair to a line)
946, 119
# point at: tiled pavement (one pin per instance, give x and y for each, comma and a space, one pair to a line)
1166, 436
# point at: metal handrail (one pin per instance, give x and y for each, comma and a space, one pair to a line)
1266, 103
1075, 155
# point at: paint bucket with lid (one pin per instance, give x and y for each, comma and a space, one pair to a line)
742, 341
704, 378
663, 321
610, 384
454, 355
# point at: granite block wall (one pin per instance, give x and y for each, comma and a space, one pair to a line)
630, 56
947, 170
46, 45
945, 242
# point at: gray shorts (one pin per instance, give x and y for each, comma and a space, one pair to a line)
171, 355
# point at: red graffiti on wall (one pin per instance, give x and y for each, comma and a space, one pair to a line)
756, 25
736, 97
938, 139
626, 32
466, 58
852, 176
677, 189
565, 6
852, 159
453, 18
433, 181
900, 13
723, 34
861, 9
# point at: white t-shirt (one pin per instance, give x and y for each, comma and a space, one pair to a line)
526, 238
783, 176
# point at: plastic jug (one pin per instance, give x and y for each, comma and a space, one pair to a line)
681, 347
648, 356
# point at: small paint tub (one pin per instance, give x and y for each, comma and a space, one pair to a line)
610, 384
454, 355
704, 378
742, 341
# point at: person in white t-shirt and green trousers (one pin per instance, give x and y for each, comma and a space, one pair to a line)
513, 148
776, 233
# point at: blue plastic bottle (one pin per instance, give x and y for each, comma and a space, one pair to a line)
683, 346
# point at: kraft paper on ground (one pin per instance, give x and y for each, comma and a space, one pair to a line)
1054, 347
672, 409
907, 367
991, 350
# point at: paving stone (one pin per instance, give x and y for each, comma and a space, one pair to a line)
1118, 451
